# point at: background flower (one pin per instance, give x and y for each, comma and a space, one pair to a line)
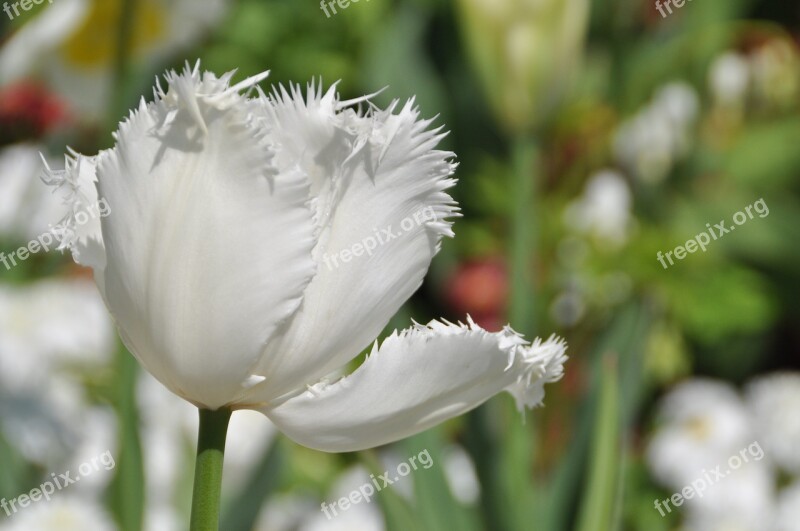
772, 400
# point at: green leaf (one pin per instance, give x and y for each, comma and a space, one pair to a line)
435, 505
15, 473
765, 156
482, 445
626, 335
728, 301
600, 506
396, 510
127, 488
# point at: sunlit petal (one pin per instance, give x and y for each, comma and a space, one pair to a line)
417, 379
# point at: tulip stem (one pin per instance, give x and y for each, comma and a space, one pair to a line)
525, 161
122, 61
208, 469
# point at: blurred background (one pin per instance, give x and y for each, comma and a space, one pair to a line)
591, 135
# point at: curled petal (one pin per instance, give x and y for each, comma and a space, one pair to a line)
417, 379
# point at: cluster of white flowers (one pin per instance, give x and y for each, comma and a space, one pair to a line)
702, 423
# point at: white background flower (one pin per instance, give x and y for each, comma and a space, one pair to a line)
653, 140
702, 423
49, 332
774, 401
787, 513
65, 512
604, 209
739, 502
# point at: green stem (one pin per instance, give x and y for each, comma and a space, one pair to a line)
122, 61
525, 154
127, 490
208, 469
508, 496
519, 444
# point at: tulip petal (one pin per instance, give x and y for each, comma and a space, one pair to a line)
381, 211
208, 245
80, 231
417, 379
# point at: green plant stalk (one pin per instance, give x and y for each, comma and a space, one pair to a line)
208, 469
525, 160
122, 61
598, 511
520, 444
509, 495
127, 489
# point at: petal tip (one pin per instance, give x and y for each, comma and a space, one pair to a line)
537, 364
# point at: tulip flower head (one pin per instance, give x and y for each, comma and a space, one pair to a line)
224, 201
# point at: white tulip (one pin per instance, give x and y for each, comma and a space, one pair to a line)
222, 208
